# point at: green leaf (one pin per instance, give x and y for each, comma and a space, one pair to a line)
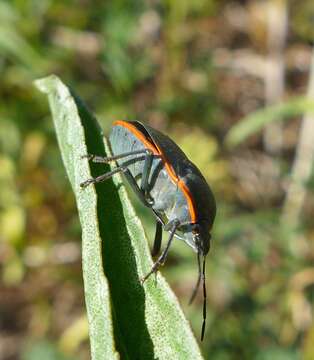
141, 322
255, 121
69, 117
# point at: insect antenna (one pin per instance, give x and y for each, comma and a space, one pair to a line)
198, 278
204, 299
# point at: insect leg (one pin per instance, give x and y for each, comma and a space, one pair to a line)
103, 177
139, 192
106, 159
132, 182
123, 169
135, 188
198, 278
128, 176
158, 238
162, 258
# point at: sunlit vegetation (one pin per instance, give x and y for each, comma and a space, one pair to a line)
232, 82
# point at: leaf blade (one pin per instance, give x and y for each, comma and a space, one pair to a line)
148, 322
70, 135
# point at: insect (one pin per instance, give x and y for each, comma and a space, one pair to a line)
168, 183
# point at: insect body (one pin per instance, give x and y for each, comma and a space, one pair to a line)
166, 181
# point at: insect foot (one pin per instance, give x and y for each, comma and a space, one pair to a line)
88, 156
86, 183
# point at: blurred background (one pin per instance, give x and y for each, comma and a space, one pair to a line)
193, 69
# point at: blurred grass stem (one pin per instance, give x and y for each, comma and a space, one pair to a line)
277, 20
302, 166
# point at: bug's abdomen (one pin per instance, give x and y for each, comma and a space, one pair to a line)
169, 201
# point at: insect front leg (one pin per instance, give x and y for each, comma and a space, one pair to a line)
103, 177
173, 225
128, 176
198, 278
123, 168
107, 159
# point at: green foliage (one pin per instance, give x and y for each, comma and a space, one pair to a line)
43, 350
145, 322
255, 121
12, 44
169, 64
303, 19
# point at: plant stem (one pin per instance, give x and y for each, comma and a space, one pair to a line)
277, 20
302, 166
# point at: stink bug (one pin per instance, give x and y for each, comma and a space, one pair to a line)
167, 182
